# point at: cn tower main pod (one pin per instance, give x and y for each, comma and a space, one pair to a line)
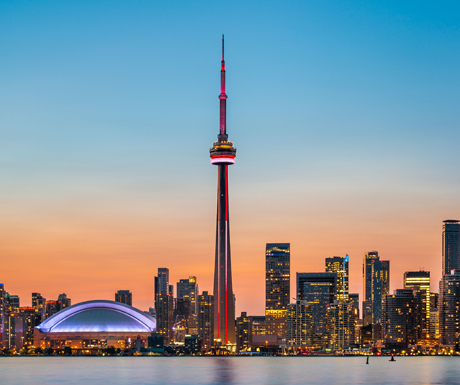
222, 155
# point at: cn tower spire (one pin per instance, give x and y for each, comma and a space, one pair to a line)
223, 100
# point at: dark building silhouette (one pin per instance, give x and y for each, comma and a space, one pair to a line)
124, 296
450, 246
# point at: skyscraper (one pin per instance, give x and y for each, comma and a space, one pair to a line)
367, 285
186, 303
339, 265
450, 246
124, 296
376, 274
206, 320
223, 154
164, 304
420, 282
162, 281
449, 318
277, 286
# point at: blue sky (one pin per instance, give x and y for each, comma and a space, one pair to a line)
344, 113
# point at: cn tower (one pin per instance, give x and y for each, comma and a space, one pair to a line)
222, 155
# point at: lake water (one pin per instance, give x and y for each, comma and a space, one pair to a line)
228, 370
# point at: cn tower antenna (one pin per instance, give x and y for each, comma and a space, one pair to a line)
222, 47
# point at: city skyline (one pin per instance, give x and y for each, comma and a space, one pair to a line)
348, 143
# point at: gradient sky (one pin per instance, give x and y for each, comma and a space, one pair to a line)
345, 115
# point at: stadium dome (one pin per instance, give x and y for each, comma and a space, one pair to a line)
99, 316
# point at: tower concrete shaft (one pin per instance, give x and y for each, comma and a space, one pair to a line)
223, 154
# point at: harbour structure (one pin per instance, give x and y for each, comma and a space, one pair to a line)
223, 155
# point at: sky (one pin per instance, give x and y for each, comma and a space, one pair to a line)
345, 116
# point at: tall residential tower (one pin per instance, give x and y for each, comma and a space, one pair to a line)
222, 155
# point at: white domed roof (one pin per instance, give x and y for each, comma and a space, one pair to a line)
99, 316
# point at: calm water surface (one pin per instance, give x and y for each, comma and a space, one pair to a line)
228, 370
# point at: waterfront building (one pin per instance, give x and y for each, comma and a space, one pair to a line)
30, 319
339, 265
299, 322
420, 282
13, 330
223, 155
341, 322
124, 296
450, 246
243, 332
398, 319
318, 290
449, 318
277, 286
164, 307
205, 313
94, 325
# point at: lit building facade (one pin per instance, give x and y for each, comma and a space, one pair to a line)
205, 314
223, 155
243, 332
341, 319
164, 305
259, 325
318, 290
376, 274
449, 318
420, 282
398, 318
186, 303
277, 286
339, 265
299, 320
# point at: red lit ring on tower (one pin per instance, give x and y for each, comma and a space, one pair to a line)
222, 159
